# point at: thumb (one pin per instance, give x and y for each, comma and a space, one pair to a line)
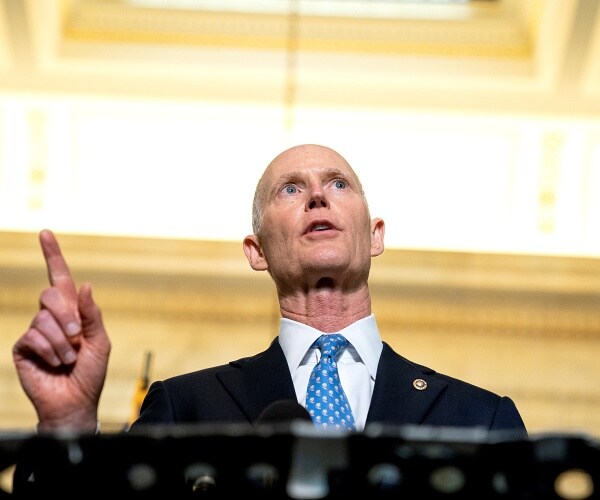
91, 316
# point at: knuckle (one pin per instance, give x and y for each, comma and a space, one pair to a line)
41, 318
48, 296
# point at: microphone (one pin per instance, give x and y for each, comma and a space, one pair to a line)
282, 413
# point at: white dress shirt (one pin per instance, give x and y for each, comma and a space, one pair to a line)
357, 365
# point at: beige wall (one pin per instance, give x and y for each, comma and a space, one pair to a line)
523, 326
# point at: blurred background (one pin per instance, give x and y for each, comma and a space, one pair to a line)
137, 130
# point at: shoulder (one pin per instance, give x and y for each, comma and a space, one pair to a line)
392, 364
450, 400
205, 375
392, 359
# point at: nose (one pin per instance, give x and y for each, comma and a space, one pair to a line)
316, 197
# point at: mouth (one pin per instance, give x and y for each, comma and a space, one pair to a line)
319, 226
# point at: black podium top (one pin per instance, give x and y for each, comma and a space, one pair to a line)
299, 461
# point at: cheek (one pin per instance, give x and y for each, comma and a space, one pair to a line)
274, 241
363, 241
275, 214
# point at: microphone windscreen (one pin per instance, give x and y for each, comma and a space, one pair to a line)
283, 411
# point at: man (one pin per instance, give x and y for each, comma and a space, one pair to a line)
314, 235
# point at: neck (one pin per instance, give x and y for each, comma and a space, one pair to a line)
325, 308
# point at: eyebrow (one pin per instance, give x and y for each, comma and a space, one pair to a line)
328, 171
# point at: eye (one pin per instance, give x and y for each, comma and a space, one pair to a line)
340, 184
290, 189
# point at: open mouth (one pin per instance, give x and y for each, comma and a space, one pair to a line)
319, 227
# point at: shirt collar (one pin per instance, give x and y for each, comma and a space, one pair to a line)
296, 338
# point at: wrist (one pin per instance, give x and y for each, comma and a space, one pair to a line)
83, 423
41, 429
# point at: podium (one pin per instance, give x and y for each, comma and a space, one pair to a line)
299, 461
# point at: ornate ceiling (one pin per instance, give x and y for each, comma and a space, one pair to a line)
517, 55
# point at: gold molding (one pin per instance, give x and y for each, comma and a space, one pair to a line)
520, 295
487, 32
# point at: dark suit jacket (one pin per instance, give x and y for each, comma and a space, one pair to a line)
241, 390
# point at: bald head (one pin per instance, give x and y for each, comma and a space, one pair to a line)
297, 157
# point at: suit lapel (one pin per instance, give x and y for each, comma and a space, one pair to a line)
258, 381
400, 397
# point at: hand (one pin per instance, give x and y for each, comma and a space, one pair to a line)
61, 360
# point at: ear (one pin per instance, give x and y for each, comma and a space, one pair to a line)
254, 253
377, 233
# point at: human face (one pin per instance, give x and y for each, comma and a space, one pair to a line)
315, 221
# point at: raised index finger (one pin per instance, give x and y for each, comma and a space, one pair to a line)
59, 274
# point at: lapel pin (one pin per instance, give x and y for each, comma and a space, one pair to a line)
419, 384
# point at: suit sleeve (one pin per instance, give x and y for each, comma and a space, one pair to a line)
507, 416
156, 407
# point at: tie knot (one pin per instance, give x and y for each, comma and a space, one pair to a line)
332, 344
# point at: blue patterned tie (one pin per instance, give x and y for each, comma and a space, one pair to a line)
325, 399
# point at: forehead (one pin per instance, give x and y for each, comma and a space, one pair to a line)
299, 161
